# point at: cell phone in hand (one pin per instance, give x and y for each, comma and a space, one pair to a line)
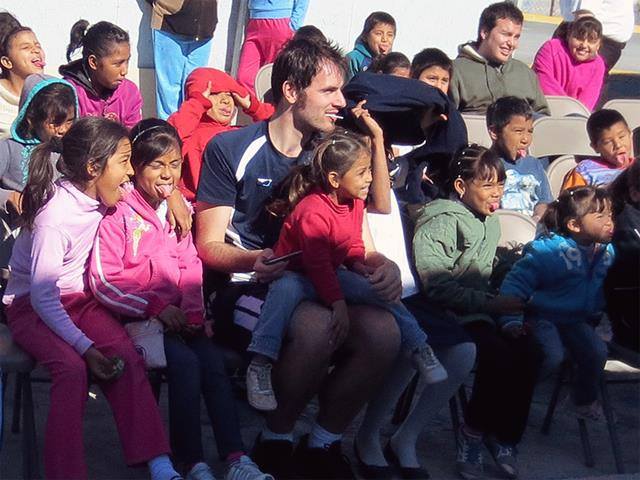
283, 258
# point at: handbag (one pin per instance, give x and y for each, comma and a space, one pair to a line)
148, 339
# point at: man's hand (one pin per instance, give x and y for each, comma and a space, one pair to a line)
505, 305
15, 202
178, 214
384, 276
268, 273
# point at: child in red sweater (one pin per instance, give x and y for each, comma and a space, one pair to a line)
326, 225
211, 98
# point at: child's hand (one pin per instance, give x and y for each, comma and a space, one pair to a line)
504, 305
178, 214
339, 326
15, 202
173, 318
99, 365
365, 121
241, 102
515, 330
207, 93
268, 273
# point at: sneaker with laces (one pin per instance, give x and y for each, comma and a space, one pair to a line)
245, 469
321, 463
200, 471
469, 456
505, 456
259, 390
273, 457
426, 362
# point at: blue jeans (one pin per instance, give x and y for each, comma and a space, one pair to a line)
587, 350
286, 293
175, 57
195, 367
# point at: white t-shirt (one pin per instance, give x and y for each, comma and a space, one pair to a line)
616, 16
8, 111
388, 237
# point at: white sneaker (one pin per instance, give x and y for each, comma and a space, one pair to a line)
245, 469
259, 390
200, 471
428, 365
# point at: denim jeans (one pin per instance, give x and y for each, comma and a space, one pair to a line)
286, 293
195, 367
175, 57
587, 350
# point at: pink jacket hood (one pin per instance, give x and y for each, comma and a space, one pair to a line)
138, 266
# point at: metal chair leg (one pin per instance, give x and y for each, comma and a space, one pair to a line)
17, 405
548, 418
586, 443
29, 442
404, 402
611, 426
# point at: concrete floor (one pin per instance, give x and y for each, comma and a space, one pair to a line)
556, 456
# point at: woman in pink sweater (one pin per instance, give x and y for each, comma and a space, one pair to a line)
570, 65
54, 317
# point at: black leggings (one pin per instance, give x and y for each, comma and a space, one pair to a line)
506, 374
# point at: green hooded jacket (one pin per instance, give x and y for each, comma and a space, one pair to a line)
453, 250
476, 83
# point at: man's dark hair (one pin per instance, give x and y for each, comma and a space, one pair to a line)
498, 11
430, 57
500, 112
300, 61
602, 120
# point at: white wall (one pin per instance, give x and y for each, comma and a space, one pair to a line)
421, 23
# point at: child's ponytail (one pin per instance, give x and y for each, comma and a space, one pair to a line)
39, 187
78, 31
550, 219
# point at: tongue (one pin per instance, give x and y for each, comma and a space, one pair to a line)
622, 159
493, 207
521, 153
164, 190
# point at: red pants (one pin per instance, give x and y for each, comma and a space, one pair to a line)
264, 38
134, 408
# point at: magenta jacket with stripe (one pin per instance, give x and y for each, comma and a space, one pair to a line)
139, 267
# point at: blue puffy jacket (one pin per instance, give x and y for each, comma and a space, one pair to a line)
558, 280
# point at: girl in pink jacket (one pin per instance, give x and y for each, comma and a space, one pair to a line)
99, 76
569, 65
141, 269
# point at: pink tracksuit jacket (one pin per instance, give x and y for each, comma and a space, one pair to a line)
139, 267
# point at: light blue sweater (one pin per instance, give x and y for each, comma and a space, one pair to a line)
294, 9
560, 280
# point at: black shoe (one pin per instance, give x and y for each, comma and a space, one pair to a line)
409, 473
273, 457
321, 463
371, 471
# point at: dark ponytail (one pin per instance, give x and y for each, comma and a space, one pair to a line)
96, 40
336, 152
78, 31
91, 140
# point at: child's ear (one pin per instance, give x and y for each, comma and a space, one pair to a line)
92, 61
459, 186
92, 169
334, 179
574, 226
290, 92
6, 63
493, 133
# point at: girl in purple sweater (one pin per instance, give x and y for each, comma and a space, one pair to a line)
569, 65
52, 314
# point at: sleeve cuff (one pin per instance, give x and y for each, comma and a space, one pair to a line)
204, 102
155, 306
82, 345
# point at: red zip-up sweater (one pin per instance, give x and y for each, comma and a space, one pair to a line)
196, 128
329, 235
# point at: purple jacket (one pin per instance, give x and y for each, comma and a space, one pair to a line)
559, 74
123, 105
